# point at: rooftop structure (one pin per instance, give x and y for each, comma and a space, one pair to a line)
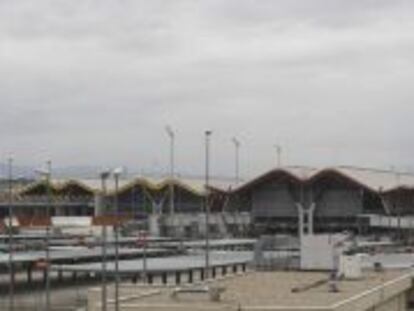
274, 291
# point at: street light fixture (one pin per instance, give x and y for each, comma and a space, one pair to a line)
117, 174
236, 143
104, 175
11, 250
171, 135
207, 137
278, 155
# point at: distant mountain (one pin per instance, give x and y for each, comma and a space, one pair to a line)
28, 172
18, 171
85, 172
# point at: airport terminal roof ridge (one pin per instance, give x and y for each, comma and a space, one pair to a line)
371, 179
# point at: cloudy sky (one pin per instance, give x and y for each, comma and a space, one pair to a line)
94, 82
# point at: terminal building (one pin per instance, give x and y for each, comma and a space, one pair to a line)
330, 200
334, 198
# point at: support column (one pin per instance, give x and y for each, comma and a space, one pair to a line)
154, 225
301, 214
60, 275
177, 277
311, 218
29, 274
235, 269
311, 212
190, 276
44, 276
98, 204
164, 278
13, 274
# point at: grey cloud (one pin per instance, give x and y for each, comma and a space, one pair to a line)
96, 81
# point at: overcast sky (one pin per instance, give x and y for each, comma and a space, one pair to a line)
95, 82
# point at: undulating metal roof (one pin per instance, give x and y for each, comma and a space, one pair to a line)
374, 179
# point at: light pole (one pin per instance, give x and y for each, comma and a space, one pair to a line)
207, 135
236, 143
49, 199
47, 175
171, 135
11, 250
104, 176
278, 155
117, 173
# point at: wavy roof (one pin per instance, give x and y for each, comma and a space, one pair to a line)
372, 179
195, 187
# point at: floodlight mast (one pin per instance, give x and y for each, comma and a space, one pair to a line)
171, 135
117, 174
11, 244
104, 176
207, 136
278, 155
236, 143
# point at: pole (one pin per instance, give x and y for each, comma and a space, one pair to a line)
49, 203
206, 202
11, 250
171, 135
145, 264
172, 207
116, 176
279, 155
104, 268
237, 158
104, 176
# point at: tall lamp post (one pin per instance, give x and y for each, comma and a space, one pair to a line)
207, 136
236, 143
104, 176
171, 135
11, 244
278, 155
47, 175
117, 173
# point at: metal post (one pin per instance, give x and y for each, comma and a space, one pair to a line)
104, 176
11, 250
48, 217
206, 202
116, 227
236, 162
104, 268
279, 155
145, 264
171, 134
